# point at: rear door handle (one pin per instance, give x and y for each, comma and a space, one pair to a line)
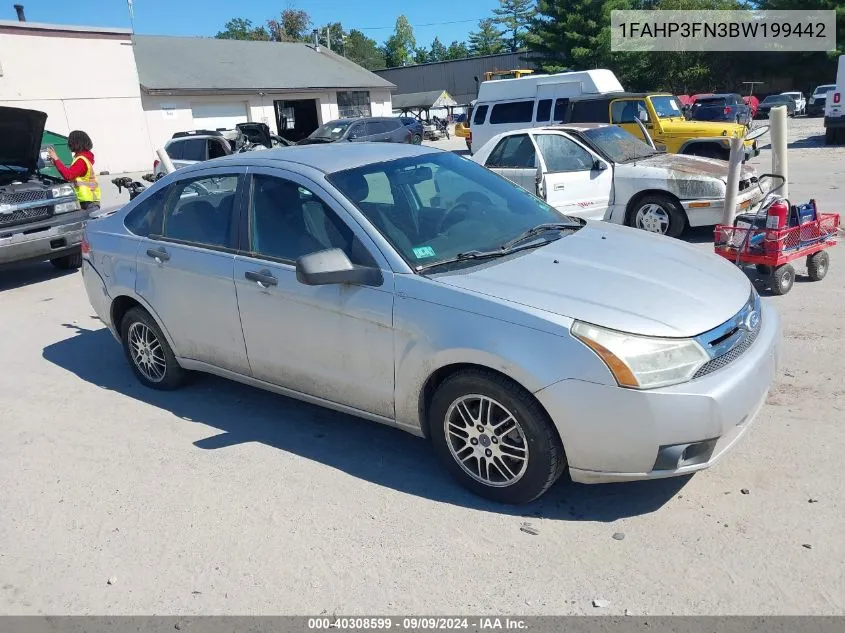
158, 254
264, 278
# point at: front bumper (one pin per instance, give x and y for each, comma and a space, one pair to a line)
613, 434
60, 235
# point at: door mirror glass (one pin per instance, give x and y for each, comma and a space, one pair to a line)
599, 165
332, 266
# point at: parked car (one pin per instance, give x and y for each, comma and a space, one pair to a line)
721, 107
773, 101
363, 129
816, 104
661, 115
416, 127
800, 102
415, 288
601, 172
40, 218
834, 112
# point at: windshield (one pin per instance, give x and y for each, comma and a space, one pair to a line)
821, 90
777, 99
435, 206
332, 130
617, 144
666, 106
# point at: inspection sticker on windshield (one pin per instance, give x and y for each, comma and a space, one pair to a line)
421, 252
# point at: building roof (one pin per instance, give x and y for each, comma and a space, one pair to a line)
429, 99
191, 64
7, 25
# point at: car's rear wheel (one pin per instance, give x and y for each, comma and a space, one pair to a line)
494, 437
68, 262
417, 139
657, 213
149, 355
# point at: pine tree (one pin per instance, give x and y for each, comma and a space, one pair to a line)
487, 40
515, 16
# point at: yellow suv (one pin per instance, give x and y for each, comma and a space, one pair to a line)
663, 118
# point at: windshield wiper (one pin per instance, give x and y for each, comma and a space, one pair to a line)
460, 257
536, 230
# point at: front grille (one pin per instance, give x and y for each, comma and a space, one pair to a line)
734, 353
25, 215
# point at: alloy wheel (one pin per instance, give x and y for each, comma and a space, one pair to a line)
653, 218
147, 352
486, 440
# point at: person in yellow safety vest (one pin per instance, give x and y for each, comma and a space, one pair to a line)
81, 173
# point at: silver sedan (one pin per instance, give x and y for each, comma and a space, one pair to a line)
415, 288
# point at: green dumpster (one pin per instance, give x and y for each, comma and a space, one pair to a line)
59, 143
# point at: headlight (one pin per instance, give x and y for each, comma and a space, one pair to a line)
65, 207
642, 362
61, 191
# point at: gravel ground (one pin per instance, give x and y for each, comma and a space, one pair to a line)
220, 498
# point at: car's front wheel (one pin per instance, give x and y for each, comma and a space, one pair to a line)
148, 352
657, 214
494, 437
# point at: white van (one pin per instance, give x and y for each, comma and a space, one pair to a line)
834, 109
513, 104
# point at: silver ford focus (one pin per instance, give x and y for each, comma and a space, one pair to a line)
418, 289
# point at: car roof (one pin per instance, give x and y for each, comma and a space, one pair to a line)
575, 127
327, 158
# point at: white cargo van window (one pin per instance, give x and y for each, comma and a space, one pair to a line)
561, 105
480, 115
513, 152
562, 154
513, 112
544, 110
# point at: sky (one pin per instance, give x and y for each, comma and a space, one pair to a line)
205, 17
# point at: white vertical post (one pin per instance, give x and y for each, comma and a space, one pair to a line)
777, 115
165, 161
732, 186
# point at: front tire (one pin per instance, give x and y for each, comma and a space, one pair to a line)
417, 139
657, 214
782, 279
68, 262
494, 437
148, 353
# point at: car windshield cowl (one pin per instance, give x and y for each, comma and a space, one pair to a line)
473, 255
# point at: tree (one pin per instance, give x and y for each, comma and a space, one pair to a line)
438, 51
421, 55
399, 47
331, 35
515, 16
457, 50
242, 29
363, 51
487, 40
293, 25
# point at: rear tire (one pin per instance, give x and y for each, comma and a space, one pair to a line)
657, 213
494, 437
829, 136
817, 265
68, 262
417, 139
782, 279
150, 357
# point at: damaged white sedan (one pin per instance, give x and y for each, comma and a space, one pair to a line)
601, 172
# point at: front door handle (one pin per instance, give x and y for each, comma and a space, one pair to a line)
559, 187
265, 279
158, 254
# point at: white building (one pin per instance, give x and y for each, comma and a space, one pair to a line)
131, 93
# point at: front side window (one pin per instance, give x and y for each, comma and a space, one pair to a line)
201, 210
353, 103
443, 205
513, 152
513, 112
562, 154
287, 221
628, 111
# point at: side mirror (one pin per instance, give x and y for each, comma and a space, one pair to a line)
540, 183
642, 115
332, 266
599, 165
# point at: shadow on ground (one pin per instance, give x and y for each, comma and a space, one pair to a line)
363, 449
19, 275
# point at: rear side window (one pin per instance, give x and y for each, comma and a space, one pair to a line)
513, 152
595, 111
561, 106
544, 110
513, 112
391, 125
194, 149
146, 219
480, 115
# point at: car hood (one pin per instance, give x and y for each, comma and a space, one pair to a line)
616, 277
703, 129
21, 131
696, 165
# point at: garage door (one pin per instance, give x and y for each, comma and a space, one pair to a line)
211, 116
